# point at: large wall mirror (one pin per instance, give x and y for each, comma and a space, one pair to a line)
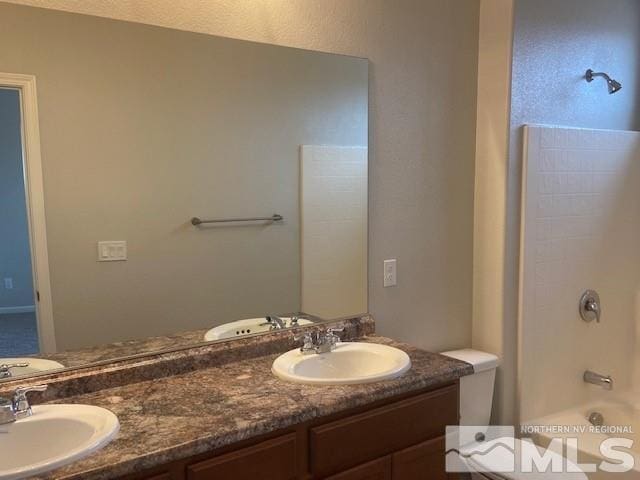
142, 129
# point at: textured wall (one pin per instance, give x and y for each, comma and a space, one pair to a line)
423, 57
554, 44
15, 255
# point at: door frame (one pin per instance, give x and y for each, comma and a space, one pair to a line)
34, 192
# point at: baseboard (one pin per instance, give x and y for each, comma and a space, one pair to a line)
22, 309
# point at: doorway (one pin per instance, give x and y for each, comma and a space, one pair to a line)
18, 317
26, 311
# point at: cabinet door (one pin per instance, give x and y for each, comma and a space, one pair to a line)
339, 445
425, 461
273, 460
376, 470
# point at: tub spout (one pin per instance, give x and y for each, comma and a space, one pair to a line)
604, 381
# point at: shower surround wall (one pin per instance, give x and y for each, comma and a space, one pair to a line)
580, 230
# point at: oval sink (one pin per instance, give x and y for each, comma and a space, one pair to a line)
54, 436
245, 327
35, 365
348, 363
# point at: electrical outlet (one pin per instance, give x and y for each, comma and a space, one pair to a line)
390, 273
8, 283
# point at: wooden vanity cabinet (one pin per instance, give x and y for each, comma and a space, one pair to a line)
380, 469
398, 439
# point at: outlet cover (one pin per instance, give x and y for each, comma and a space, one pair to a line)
112, 251
390, 272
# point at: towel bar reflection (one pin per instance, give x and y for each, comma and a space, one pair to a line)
273, 218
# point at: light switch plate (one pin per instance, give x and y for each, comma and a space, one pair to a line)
390, 273
112, 251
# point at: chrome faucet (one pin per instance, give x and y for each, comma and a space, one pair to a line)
276, 322
5, 368
603, 381
18, 407
320, 342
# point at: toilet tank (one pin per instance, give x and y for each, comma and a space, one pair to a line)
476, 390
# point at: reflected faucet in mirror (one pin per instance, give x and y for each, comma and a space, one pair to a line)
277, 322
5, 368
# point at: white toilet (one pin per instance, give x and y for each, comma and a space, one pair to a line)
476, 397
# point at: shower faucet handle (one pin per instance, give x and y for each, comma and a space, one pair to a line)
589, 306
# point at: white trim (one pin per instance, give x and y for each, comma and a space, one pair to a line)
32, 163
21, 309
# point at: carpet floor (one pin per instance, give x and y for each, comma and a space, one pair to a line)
18, 334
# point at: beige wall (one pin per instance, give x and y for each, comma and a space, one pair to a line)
423, 57
143, 128
492, 142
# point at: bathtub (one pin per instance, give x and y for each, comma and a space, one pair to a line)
621, 419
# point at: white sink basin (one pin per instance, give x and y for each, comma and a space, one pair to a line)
36, 365
55, 435
348, 363
245, 327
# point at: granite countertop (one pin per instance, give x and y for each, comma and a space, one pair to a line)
184, 415
116, 350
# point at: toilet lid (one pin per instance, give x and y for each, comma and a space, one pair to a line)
496, 456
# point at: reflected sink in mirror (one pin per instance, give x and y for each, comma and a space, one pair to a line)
54, 436
348, 363
247, 327
19, 366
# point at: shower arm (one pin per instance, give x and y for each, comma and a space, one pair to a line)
590, 74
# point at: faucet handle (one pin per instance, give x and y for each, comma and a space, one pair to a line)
21, 404
7, 413
593, 307
5, 368
589, 306
332, 331
308, 342
332, 336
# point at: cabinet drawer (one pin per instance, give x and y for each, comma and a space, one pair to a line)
273, 459
342, 444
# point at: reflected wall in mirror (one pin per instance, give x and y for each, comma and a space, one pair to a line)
143, 128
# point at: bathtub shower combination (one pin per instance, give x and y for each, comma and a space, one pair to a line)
579, 299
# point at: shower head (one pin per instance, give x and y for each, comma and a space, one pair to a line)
613, 85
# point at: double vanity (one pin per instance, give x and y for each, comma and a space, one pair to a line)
207, 216
367, 407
